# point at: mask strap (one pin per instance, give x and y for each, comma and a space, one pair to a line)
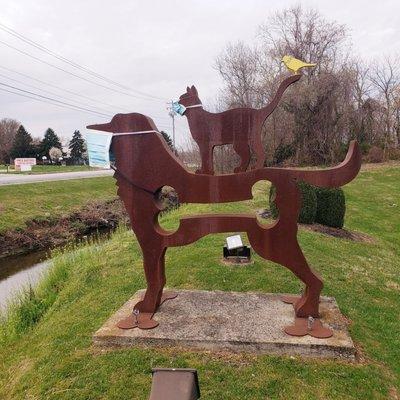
133, 133
195, 105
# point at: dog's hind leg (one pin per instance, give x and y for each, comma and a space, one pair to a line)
272, 244
308, 303
285, 250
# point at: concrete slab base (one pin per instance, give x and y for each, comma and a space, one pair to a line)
230, 321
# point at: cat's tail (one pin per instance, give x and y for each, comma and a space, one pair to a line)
334, 177
267, 110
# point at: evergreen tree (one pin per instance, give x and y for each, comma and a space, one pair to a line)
50, 140
22, 144
168, 139
77, 147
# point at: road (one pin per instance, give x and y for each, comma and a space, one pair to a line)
17, 179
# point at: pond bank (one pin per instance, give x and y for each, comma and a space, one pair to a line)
48, 232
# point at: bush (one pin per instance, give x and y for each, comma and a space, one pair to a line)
375, 154
321, 205
394, 154
283, 152
331, 207
308, 204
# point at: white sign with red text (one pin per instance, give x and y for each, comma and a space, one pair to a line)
24, 164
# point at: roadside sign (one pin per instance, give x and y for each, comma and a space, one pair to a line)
24, 164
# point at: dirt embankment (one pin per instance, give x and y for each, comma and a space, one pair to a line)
46, 233
49, 232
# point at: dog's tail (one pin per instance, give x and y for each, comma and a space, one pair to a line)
334, 177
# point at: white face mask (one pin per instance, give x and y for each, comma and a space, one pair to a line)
98, 147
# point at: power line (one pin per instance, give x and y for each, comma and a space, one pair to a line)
72, 73
72, 107
43, 101
55, 100
52, 93
116, 107
70, 62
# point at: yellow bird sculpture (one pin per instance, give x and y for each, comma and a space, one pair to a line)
293, 64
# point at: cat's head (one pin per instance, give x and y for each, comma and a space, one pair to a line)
190, 97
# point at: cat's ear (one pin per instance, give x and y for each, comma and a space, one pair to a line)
194, 90
187, 89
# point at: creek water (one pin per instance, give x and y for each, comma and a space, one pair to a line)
20, 272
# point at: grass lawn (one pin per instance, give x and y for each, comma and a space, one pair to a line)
19, 203
48, 169
45, 346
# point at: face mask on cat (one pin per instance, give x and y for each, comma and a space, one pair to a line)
178, 108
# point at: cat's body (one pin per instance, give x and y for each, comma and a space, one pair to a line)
240, 127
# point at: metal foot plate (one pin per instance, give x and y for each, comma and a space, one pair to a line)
141, 321
308, 326
144, 320
290, 299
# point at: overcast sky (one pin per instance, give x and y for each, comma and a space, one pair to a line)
155, 47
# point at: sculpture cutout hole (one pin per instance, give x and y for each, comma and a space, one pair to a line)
265, 207
167, 200
225, 159
237, 257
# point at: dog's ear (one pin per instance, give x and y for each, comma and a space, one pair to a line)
194, 90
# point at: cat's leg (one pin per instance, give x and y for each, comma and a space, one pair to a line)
206, 154
243, 151
259, 152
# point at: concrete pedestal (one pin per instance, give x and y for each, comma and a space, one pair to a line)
230, 321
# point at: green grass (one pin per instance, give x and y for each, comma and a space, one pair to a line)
48, 169
45, 345
19, 203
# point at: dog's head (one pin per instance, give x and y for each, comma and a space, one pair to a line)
190, 97
122, 123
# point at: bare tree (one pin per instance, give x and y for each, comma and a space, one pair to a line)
8, 129
342, 98
238, 66
305, 34
385, 78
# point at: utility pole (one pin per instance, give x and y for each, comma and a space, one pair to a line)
172, 114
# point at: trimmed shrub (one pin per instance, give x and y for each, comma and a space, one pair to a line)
331, 207
323, 206
308, 204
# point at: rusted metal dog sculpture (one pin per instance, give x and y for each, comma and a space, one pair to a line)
145, 163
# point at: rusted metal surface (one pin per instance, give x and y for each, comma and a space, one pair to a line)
175, 384
308, 326
145, 164
143, 320
239, 126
